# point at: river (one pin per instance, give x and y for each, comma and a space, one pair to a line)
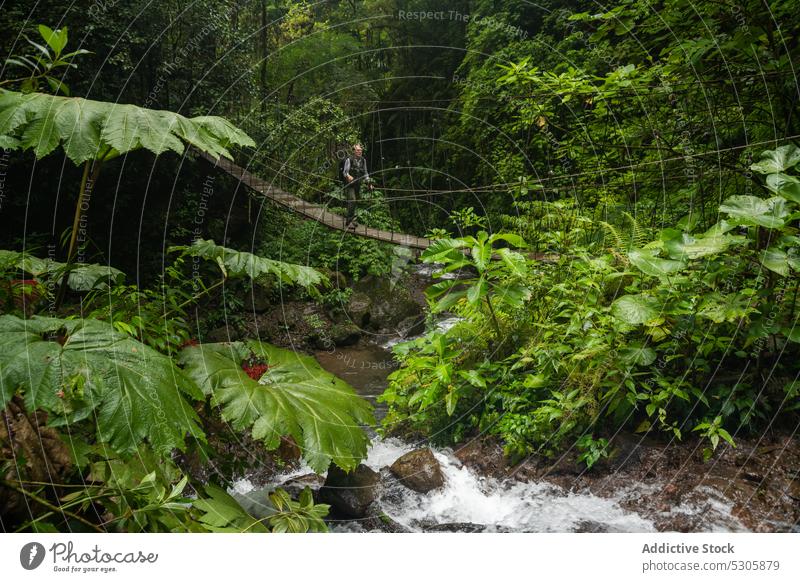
472, 502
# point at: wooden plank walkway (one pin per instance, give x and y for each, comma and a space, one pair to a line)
310, 210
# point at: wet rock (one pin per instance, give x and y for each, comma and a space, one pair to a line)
358, 309
344, 335
350, 494
681, 522
296, 485
257, 299
388, 313
455, 527
588, 526
289, 450
793, 489
378, 520
626, 452
411, 326
565, 465
483, 455
418, 470
390, 302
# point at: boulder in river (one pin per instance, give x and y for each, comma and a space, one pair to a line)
454, 527
418, 470
411, 326
484, 456
359, 309
295, 486
344, 334
390, 302
350, 494
377, 520
590, 526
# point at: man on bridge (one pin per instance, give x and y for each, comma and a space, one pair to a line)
354, 173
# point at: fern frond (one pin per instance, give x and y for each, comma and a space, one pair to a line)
639, 234
618, 240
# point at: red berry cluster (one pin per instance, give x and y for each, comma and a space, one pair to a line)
255, 371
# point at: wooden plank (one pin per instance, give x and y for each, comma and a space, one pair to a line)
312, 211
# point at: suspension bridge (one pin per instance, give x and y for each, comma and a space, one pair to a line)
310, 210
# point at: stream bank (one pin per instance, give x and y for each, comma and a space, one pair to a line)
645, 485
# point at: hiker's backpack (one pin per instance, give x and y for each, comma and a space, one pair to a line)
340, 174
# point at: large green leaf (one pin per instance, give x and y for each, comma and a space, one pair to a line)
12, 115
476, 292
635, 309
87, 277
127, 127
74, 368
294, 397
9, 259
56, 39
446, 248
776, 259
784, 185
445, 294
82, 276
751, 210
646, 261
637, 355
89, 129
222, 513
515, 263
512, 295
241, 264
510, 238
83, 123
683, 246
778, 160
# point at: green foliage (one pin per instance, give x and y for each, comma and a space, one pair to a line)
466, 218
294, 397
154, 315
499, 284
143, 494
44, 63
81, 277
777, 160
290, 238
299, 516
636, 309
671, 333
713, 431
591, 449
243, 264
222, 513
84, 369
97, 130
442, 369
296, 145
149, 494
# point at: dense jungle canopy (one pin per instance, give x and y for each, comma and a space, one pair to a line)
610, 192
